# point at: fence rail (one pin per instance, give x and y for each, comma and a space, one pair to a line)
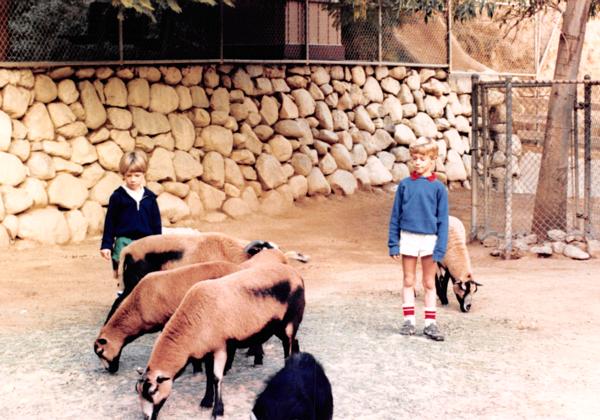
47, 33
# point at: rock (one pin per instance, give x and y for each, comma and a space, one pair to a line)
211, 198
94, 216
372, 91
47, 226
16, 200
363, 120
15, 101
57, 148
82, 151
317, 184
120, 119
304, 101
270, 172
183, 131
358, 75
455, 167
575, 253
13, 171
491, 242
217, 138
236, 208
423, 126
558, 247
269, 110
95, 114
67, 91
399, 172
163, 98
213, 169
109, 155
324, 115
186, 167
138, 93
78, 225
542, 250
172, 207
150, 123
36, 189
378, 174
41, 166
38, 122
115, 92
67, 191
45, 89
556, 235
593, 248
342, 182
327, 164
160, 166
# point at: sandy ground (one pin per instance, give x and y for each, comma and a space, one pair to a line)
528, 349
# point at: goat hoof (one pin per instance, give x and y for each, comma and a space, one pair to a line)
206, 402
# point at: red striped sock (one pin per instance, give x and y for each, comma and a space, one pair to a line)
409, 313
429, 316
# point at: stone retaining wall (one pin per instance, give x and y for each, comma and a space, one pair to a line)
223, 141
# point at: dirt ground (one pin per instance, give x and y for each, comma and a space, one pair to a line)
528, 349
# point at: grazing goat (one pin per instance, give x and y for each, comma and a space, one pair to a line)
300, 390
162, 252
152, 302
456, 267
245, 307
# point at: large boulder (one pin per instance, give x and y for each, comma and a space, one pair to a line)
270, 172
95, 114
172, 208
47, 226
13, 171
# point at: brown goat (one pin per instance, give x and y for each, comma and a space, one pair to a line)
163, 252
245, 307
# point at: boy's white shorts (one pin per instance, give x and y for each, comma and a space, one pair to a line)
416, 244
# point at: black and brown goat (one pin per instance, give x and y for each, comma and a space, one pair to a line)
163, 252
245, 307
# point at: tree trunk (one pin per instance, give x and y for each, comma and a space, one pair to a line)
550, 211
4, 33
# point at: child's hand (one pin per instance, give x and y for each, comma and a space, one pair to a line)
396, 257
105, 253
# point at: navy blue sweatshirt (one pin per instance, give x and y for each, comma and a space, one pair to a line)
124, 219
420, 206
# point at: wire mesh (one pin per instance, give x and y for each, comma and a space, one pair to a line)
64, 31
57, 30
411, 39
528, 114
486, 43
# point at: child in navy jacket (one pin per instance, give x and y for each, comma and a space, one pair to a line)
132, 209
419, 228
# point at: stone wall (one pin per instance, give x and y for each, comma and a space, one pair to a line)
223, 141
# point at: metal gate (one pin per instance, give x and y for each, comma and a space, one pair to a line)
508, 126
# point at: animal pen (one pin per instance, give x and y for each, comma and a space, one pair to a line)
508, 128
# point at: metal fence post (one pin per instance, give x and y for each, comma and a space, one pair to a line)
306, 29
577, 214
221, 20
508, 175
474, 152
379, 40
587, 168
486, 153
120, 18
449, 34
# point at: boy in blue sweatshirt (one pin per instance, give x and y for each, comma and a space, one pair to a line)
132, 209
419, 228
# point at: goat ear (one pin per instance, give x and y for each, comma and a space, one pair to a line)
161, 379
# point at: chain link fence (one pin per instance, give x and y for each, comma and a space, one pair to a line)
76, 31
507, 167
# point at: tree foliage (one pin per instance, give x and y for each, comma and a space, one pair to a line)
148, 7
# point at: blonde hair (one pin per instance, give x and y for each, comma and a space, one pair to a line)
425, 146
135, 161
